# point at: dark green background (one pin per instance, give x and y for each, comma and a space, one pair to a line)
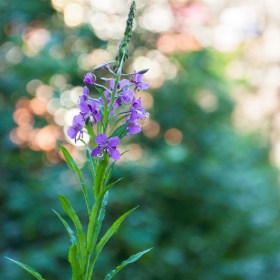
209, 206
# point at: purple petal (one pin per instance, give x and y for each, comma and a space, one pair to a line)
112, 84
115, 154
101, 139
72, 132
86, 91
123, 83
134, 128
78, 121
126, 98
83, 106
127, 92
144, 85
134, 116
97, 116
114, 141
97, 151
139, 78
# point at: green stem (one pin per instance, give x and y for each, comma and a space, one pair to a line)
90, 131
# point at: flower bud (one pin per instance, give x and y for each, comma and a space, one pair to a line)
143, 71
89, 79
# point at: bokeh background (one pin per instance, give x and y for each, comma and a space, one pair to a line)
205, 170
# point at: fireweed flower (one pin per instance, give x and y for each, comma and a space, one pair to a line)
89, 111
105, 145
89, 79
75, 131
136, 79
137, 112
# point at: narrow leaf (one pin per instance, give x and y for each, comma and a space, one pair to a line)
121, 131
107, 236
90, 159
72, 257
125, 263
73, 238
97, 216
29, 269
109, 172
72, 164
81, 238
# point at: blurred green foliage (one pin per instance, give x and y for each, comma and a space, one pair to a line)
209, 206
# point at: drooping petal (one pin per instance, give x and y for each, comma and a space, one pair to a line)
86, 91
134, 128
123, 83
101, 139
78, 121
115, 154
72, 132
97, 116
144, 85
97, 151
114, 141
83, 106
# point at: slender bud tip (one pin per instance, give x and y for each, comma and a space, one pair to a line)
143, 71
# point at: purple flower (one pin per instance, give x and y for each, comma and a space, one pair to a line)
75, 131
85, 95
89, 79
105, 145
90, 110
136, 79
137, 111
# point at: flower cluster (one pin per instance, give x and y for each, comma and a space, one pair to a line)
116, 104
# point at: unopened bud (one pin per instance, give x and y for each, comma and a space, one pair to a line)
143, 71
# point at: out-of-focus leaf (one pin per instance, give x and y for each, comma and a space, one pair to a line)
107, 236
29, 269
72, 257
125, 263
73, 238
72, 164
81, 238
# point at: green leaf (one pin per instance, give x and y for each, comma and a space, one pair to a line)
107, 236
72, 257
109, 172
72, 164
73, 238
81, 238
125, 263
29, 269
100, 175
116, 123
121, 131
